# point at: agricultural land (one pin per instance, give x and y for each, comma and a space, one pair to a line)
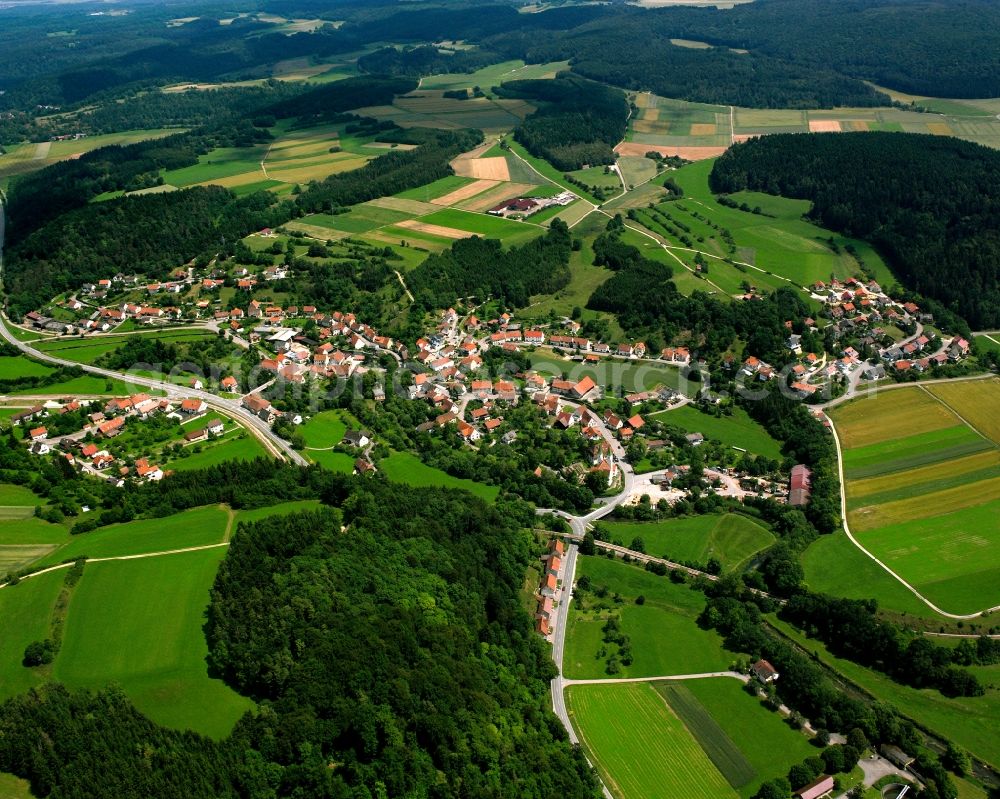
922, 470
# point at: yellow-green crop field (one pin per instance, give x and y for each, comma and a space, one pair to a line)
922, 480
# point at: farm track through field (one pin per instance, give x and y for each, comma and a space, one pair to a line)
140, 556
965, 421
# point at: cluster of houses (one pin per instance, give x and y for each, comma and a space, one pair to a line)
545, 615
858, 310
86, 448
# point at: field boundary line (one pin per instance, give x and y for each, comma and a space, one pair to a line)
853, 540
660, 678
961, 418
110, 558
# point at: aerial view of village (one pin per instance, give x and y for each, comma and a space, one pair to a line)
497, 400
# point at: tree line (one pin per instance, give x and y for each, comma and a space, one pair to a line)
481, 267
578, 122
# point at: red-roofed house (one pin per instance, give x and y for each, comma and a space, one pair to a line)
193, 406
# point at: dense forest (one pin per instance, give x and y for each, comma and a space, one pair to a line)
800, 55
928, 203
482, 268
578, 122
629, 51
384, 635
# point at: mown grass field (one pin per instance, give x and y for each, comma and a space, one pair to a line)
923, 491
334, 461
294, 156
665, 638
677, 123
12, 366
736, 430
912, 451
493, 75
640, 747
970, 722
12, 787
191, 528
507, 230
747, 743
731, 538
281, 509
584, 276
325, 429
888, 416
239, 447
404, 467
951, 557
23, 158
139, 623
23, 537
835, 566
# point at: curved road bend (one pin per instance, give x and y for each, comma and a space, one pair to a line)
261, 430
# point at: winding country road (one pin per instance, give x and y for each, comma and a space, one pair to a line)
276, 445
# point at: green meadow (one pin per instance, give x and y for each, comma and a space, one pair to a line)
438, 188
835, 566
493, 75
747, 743
14, 366
953, 558
665, 638
139, 624
190, 528
781, 242
731, 538
88, 350
240, 447
333, 461
325, 429
26, 610
736, 430
403, 467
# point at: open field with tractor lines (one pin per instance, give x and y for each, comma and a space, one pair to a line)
747, 743
923, 488
641, 748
